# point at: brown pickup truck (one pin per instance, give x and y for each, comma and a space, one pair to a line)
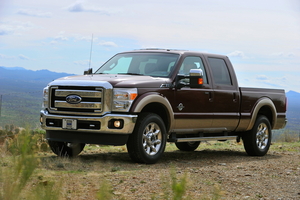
145, 98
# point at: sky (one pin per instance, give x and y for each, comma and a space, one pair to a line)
261, 38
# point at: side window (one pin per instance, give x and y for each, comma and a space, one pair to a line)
192, 62
220, 71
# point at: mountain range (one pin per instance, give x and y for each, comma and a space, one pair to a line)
21, 97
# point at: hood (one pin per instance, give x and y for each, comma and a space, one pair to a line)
115, 80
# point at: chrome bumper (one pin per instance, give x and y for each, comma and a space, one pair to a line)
89, 124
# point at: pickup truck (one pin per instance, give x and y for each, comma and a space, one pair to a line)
145, 98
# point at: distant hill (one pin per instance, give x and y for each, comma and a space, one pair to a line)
293, 110
21, 92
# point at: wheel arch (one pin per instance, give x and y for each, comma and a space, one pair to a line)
157, 104
265, 107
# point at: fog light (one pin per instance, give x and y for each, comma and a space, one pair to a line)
117, 124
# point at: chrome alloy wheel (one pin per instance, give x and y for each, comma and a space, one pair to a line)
152, 137
262, 136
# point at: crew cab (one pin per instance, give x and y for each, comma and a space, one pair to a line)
145, 98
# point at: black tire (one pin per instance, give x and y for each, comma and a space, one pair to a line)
258, 140
148, 141
66, 149
187, 146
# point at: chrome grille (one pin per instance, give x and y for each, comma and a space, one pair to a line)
90, 99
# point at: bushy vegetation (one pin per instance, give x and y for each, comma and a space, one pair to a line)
286, 135
30, 171
18, 164
20, 177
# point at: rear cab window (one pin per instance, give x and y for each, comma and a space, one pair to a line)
220, 72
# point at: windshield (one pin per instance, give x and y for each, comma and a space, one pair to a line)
149, 64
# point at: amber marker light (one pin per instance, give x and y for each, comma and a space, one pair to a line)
133, 96
200, 81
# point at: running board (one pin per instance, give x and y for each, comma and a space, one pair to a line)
196, 139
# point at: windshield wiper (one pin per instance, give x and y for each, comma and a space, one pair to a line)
132, 74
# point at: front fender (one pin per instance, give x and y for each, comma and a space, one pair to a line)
148, 98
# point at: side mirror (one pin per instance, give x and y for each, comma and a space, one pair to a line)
196, 78
88, 71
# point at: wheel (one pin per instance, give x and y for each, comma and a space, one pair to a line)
187, 146
148, 141
258, 140
66, 149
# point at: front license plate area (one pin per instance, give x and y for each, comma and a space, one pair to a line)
69, 124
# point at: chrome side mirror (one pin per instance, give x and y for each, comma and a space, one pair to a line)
196, 78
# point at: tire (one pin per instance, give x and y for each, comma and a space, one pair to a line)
148, 141
66, 149
258, 140
187, 146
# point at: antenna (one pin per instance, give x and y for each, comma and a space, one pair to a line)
91, 50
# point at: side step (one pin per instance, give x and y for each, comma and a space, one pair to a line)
195, 139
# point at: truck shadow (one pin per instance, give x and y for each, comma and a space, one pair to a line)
199, 158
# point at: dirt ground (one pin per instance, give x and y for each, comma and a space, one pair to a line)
225, 172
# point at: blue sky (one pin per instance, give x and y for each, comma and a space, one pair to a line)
262, 38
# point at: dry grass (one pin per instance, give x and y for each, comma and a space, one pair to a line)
106, 172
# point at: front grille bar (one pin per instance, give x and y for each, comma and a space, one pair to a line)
87, 93
83, 105
91, 100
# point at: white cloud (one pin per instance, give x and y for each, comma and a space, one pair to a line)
84, 38
108, 44
22, 57
34, 13
2, 56
6, 30
272, 81
238, 54
80, 6
11, 27
262, 78
284, 55
61, 38
82, 62
76, 7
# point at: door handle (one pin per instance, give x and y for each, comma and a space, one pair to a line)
210, 99
234, 97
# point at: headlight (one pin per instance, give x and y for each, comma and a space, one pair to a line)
123, 98
45, 97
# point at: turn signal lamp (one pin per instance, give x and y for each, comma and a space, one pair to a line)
200, 81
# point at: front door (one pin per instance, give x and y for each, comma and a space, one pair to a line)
193, 107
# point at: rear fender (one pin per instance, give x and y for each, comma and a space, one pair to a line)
261, 103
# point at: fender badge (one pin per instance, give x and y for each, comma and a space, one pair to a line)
180, 107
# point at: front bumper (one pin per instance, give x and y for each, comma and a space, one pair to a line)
99, 125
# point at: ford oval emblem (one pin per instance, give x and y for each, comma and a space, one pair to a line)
73, 99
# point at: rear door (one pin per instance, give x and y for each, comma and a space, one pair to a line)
226, 95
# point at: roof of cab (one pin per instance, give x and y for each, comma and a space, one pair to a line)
177, 51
